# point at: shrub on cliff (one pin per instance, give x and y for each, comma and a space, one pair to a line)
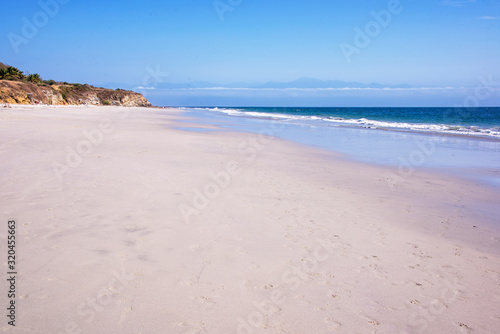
35, 78
81, 88
11, 73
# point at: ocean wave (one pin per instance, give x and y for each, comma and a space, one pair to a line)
491, 132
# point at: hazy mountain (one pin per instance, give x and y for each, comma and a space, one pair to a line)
298, 83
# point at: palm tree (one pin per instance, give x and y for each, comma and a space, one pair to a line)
35, 78
3, 73
14, 73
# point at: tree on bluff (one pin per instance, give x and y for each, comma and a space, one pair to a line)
11, 73
35, 78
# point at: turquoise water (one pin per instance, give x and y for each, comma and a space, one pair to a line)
467, 153
483, 122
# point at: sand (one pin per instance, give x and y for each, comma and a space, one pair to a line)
128, 224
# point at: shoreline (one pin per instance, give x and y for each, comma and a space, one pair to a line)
448, 154
324, 122
275, 229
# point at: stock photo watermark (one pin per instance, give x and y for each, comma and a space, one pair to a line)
88, 309
152, 79
407, 165
248, 150
95, 137
456, 115
465, 110
372, 29
223, 6
30, 27
429, 312
11, 272
294, 279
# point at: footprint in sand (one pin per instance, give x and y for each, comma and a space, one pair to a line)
331, 324
341, 291
457, 249
333, 294
423, 255
205, 302
446, 223
246, 284
254, 266
127, 307
301, 298
370, 320
493, 274
414, 267
195, 248
464, 328
241, 250
182, 324
188, 328
379, 271
378, 232
446, 266
327, 279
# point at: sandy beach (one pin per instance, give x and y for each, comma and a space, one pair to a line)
127, 223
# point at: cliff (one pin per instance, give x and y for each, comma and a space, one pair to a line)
21, 92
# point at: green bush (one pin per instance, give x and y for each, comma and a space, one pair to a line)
106, 103
3, 73
11, 73
35, 78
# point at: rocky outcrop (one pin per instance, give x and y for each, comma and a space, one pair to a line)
18, 92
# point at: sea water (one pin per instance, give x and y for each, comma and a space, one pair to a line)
461, 141
484, 122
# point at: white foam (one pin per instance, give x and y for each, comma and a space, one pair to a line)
368, 123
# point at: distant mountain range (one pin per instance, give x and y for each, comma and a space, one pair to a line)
298, 83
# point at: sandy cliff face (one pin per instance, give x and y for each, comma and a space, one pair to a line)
72, 94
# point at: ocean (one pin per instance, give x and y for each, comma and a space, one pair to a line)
465, 142
482, 122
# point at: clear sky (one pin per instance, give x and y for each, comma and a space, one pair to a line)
423, 43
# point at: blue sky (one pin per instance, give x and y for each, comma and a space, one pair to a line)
442, 43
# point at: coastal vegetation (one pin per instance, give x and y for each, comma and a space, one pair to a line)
20, 88
12, 73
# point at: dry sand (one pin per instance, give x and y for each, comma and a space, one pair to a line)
133, 235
